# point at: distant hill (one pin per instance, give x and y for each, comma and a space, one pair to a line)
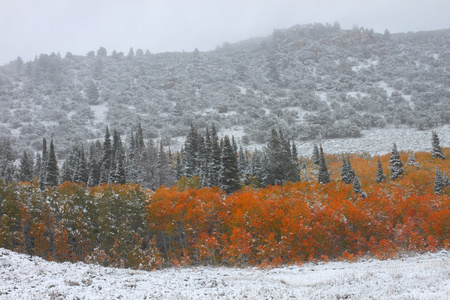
312, 81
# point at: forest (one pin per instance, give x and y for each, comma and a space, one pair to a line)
356, 209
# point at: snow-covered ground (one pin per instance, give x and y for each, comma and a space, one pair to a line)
425, 276
380, 141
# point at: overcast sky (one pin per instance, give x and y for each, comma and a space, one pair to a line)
31, 27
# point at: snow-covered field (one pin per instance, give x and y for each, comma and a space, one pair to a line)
380, 141
425, 276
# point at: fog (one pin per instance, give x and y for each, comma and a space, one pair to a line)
31, 27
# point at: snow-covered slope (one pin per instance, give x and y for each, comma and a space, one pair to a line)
425, 276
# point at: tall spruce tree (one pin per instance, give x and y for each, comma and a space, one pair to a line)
216, 154
316, 155
229, 173
357, 187
347, 172
436, 151
7, 169
395, 164
43, 166
439, 183
105, 168
192, 153
26, 167
381, 177
81, 172
52, 167
323, 177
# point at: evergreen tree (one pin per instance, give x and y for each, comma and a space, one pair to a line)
436, 152
94, 164
412, 160
445, 179
43, 166
347, 172
257, 168
294, 171
316, 155
119, 176
395, 164
105, 168
323, 176
216, 154
52, 167
81, 172
229, 173
66, 173
37, 165
380, 173
439, 183
7, 169
178, 167
26, 167
192, 153
357, 187
117, 154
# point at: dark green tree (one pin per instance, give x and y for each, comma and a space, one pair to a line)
357, 187
323, 177
395, 164
52, 167
316, 155
436, 151
26, 167
229, 173
381, 177
105, 168
439, 183
43, 166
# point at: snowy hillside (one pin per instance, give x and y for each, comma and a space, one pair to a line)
425, 276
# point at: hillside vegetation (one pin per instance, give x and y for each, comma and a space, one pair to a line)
128, 226
312, 81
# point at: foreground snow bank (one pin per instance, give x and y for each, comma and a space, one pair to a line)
424, 276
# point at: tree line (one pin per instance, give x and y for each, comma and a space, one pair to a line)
203, 161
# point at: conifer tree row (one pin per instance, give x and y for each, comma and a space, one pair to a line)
205, 158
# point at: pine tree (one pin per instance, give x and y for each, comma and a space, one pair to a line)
66, 173
216, 154
43, 166
323, 176
192, 153
119, 176
436, 152
229, 173
316, 155
257, 168
37, 165
380, 173
94, 165
445, 179
81, 172
105, 168
357, 187
395, 164
347, 172
7, 169
295, 174
26, 167
412, 160
439, 183
52, 167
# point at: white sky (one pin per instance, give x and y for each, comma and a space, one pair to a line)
31, 27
